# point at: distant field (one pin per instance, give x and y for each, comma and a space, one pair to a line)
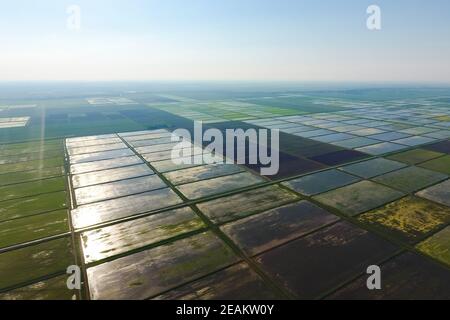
298, 104
90, 180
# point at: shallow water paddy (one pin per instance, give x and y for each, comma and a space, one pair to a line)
201, 173
117, 189
96, 148
104, 164
372, 168
408, 276
410, 179
310, 265
97, 156
359, 197
110, 175
149, 273
321, 182
109, 210
264, 231
238, 282
439, 193
204, 188
442, 147
105, 242
381, 148
245, 203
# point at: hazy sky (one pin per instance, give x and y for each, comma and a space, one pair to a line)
304, 40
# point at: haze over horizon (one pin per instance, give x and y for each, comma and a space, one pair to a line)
252, 40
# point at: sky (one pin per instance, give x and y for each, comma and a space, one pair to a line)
246, 40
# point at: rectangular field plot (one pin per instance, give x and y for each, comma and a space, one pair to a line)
109, 210
372, 168
381, 148
176, 164
17, 208
6, 123
213, 186
201, 173
31, 156
31, 165
309, 266
430, 280
237, 282
415, 156
51, 289
166, 155
119, 238
99, 139
117, 189
410, 179
96, 148
410, 218
81, 168
33, 227
32, 175
77, 143
110, 175
272, 228
438, 246
224, 111
439, 193
27, 189
441, 164
246, 203
29, 263
359, 197
443, 147
160, 269
35, 147
118, 101
320, 182
104, 155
